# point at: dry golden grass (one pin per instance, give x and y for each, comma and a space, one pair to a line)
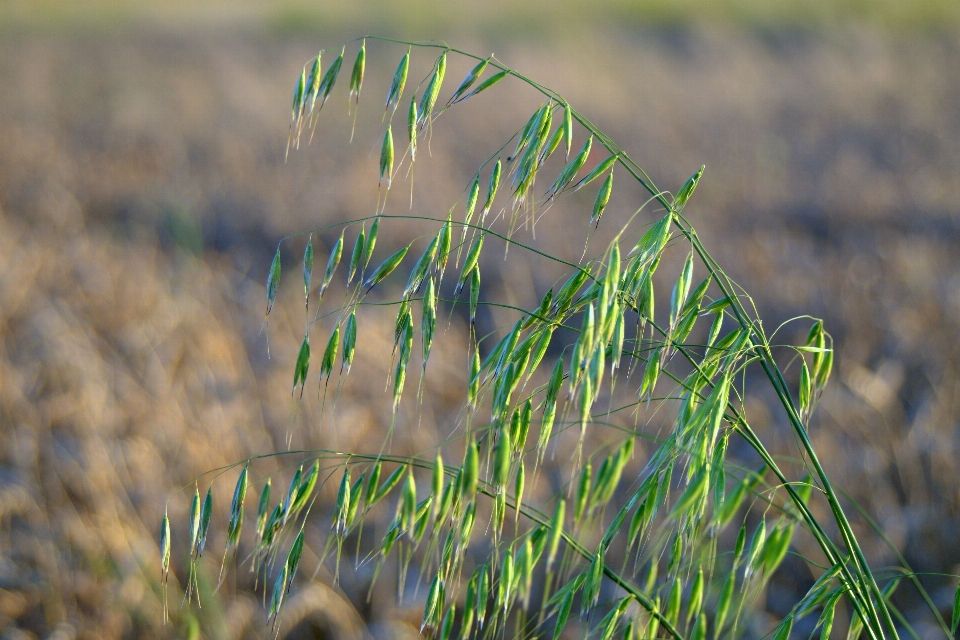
129, 364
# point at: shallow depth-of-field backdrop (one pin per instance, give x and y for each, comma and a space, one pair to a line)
143, 190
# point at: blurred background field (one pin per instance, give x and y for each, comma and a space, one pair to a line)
143, 191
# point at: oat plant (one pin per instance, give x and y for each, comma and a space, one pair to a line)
655, 530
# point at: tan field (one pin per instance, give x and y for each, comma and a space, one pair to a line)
144, 190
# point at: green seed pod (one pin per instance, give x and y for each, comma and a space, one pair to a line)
518, 484
330, 354
436, 485
371, 242
386, 157
263, 506
551, 146
525, 564
372, 482
680, 290
700, 629
826, 618
273, 281
313, 83
205, 514
298, 92
782, 631
409, 501
696, 597
570, 171
603, 197
412, 116
443, 245
468, 81
307, 484
398, 83
754, 557
342, 507
388, 485
673, 602
474, 293
473, 387
356, 75
387, 267
330, 78
505, 592
421, 268
473, 257
431, 612
723, 602
556, 531
349, 342
471, 476
601, 168
332, 263
806, 388
470, 206
583, 491
428, 319
355, 257
292, 493
195, 520
568, 127
432, 91
165, 547
492, 186
302, 366
501, 465
686, 191
446, 628
486, 84
279, 590
307, 269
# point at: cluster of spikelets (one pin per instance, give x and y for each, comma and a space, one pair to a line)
686, 578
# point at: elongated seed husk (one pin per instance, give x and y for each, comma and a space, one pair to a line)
273, 281
386, 157
398, 83
468, 81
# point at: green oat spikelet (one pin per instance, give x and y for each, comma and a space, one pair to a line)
486, 84
386, 157
355, 256
492, 185
236, 509
386, 267
428, 319
263, 506
307, 270
603, 197
273, 281
302, 366
687, 190
349, 342
568, 128
470, 263
356, 75
468, 81
570, 171
371, 243
330, 354
332, 263
601, 168
330, 78
398, 83
430, 94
